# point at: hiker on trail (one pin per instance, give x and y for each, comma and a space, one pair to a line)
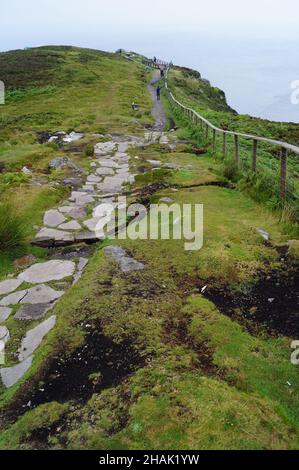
162, 73
155, 60
158, 93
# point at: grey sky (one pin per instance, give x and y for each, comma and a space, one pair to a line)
103, 22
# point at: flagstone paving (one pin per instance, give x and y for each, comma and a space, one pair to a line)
64, 226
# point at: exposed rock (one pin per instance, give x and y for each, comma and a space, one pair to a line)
32, 311
26, 171
50, 271
11, 375
74, 182
154, 162
82, 263
263, 234
65, 209
34, 338
73, 137
60, 163
4, 313
107, 163
104, 148
127, 264
53, 218
73, 225
9, 285
85, 200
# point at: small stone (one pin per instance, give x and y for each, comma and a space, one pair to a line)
263, 234
26, 171
52, 218
11, 375
127, 264
34, 338
166, 200
54, 270
4, 313
9, 286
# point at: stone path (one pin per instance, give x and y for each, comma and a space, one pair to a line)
158, 110
80, 219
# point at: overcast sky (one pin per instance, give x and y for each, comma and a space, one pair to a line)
105, 23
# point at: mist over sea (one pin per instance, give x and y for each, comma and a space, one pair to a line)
256, 75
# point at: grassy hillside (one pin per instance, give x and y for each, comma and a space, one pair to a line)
210, 102
186, 354
52, 89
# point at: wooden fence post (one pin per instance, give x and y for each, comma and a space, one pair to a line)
237, 156
254, 156
214, 140
207, 132
224, 145
283, 172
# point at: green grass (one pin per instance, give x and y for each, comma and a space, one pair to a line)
211, 103
201, 381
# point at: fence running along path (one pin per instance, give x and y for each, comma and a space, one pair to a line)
206, 125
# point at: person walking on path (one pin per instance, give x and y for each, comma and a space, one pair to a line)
158, 93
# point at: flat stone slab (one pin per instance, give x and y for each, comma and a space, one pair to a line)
82, 263
65, 209
76, 194
104, 148
11, 375
13, 299
4, 334
50, 271
35, 295
34, 338
73, 225
52, 218
9, 286
41, 294
32, 312
85, 199
78, 212
88, 237
97, 224
4, 313
94, 179
103, 171
127, 264
52, 234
